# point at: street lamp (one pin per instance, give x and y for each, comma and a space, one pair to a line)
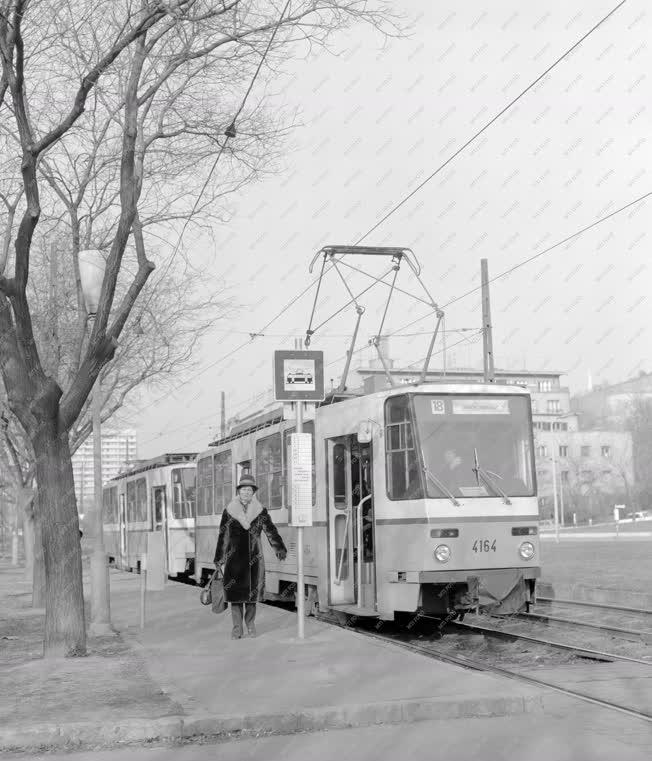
91, 271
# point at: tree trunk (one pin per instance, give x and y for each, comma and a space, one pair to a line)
65, 631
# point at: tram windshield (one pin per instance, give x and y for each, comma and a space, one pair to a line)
475, 446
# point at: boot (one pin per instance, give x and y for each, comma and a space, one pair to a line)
236, 616
250, 616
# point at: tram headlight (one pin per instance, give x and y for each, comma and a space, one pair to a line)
526, 550
443, 553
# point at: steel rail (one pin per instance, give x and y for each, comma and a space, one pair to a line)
646, 636
606, 606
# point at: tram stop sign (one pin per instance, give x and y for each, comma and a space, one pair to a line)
301, 479
299, 376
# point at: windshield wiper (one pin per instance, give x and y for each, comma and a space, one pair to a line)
442, 487
480, 473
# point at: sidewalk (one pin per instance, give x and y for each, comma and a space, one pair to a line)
183, 676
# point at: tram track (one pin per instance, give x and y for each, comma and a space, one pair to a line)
431, 650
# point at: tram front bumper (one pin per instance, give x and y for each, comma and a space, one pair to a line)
444, 577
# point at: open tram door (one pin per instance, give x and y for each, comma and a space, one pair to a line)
352, 566
160, 518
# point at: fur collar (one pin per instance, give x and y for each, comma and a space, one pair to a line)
236, 510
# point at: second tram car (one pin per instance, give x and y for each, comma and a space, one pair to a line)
424, 500
155, 495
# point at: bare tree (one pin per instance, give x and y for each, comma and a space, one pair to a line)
122, 59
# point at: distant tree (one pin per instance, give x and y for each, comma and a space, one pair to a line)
639, 423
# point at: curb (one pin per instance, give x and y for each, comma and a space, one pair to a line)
95, 734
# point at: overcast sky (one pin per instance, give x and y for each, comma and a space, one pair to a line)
374, 124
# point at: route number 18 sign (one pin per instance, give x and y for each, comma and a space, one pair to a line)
301, 479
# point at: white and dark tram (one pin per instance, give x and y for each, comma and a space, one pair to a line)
424, 500
154, 495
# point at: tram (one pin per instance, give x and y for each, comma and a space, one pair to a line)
424, 500
155, 495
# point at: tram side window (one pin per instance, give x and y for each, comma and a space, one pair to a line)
269, 470
403, 475
308, 427
222, 480
205, 486
110, 505
183, 485
137, 501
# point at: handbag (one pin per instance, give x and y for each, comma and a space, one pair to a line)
213, 594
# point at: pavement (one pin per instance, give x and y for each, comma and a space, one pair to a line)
183, 677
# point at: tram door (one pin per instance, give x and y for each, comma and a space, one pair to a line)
123, 530
350, 523
159, 500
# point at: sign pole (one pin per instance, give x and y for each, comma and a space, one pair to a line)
300, 582
299, 377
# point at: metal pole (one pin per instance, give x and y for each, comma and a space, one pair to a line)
561, 500
487, 338
349, 353
223, 415
300, 583
143, 587
443, 343
100, 605
554, 495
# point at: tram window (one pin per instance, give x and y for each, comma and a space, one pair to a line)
205, 486
308, 427
402, 463
222, 480
269, 470
137, 501
110, 505
183, 488
339, 477
457, 431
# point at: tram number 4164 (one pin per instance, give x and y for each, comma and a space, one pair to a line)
484, 545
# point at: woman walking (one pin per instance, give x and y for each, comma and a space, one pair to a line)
240, 551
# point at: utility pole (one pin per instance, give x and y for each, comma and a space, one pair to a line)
222, 415
554, 495
487, 338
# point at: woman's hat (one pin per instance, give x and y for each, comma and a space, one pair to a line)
247, 480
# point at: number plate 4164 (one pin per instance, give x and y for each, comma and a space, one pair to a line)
484, 545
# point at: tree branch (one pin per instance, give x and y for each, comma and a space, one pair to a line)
89, 81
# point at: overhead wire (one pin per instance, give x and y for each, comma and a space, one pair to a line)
228, 134
302, 293
516, 266
412, 193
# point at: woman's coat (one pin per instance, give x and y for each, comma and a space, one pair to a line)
240, 549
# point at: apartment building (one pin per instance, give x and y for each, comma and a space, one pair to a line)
118, 452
